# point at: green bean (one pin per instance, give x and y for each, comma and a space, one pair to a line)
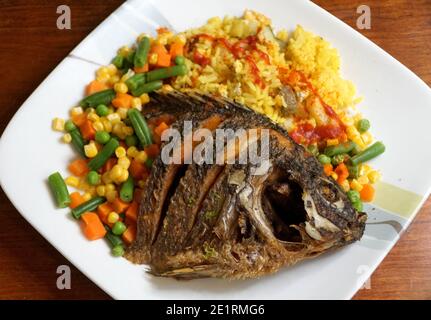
353, 196
141, 54
102, 97
118, 61
126, 191
370, 153
358, 205
100, 159
59, 189
180, 60
164, 73
90, 205
324, 159
140, 127
135, 81
69, 126
339, 149
353, 171
112, 238
363, 125
338, 158
78, 141
147, 88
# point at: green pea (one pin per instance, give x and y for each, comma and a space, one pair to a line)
102, 110
93, 178
358, 206
118, 251
338, 159
324, 159
353, 196
363, 125
313, 149
102, 137
69, 126
131, 140
179, 60
118, 228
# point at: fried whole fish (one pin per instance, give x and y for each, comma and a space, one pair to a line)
223, 220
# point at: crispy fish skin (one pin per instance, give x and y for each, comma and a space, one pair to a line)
242, 225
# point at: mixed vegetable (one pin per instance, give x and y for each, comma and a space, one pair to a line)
114, 143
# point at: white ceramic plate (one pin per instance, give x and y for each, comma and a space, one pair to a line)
397, 102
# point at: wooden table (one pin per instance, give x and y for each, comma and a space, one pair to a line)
31, 46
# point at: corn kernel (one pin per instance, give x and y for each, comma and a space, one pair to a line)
93, 117
167, 88
332, 142
364, 169
153, 58
103, 78
58, 124
145, 98
106, 178
345, 185
123, 177
124, 162
367, 138
120, 152
374, 176
72, 181
98, 126
110, 187
141, 184
122, 112
102, 71
121, 87
127, 75
128, 131
90, 150
113, 118
355, 185
334, 176
86, 196
116, 172
107, 125
76, 111
113, 217
101, 190
90, 110
67, 138
132, 151
141, 157
352, 132
136, 103
111, 69
363, 180
114, 79
124, 51
118, 128
111, 195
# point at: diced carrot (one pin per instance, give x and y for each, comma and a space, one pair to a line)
176, 49
75, 199
78, 167
122, 100
130, 234
342, 172
137, 195
162, 30
137, 169
103, 211
109, 164
132, 213
294, 77
160, 128
152, 150
158, 48
78, 119
87, 130
163, 60
367, 193
95, 86
119, 205
145, 68
92, 226
327, 168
